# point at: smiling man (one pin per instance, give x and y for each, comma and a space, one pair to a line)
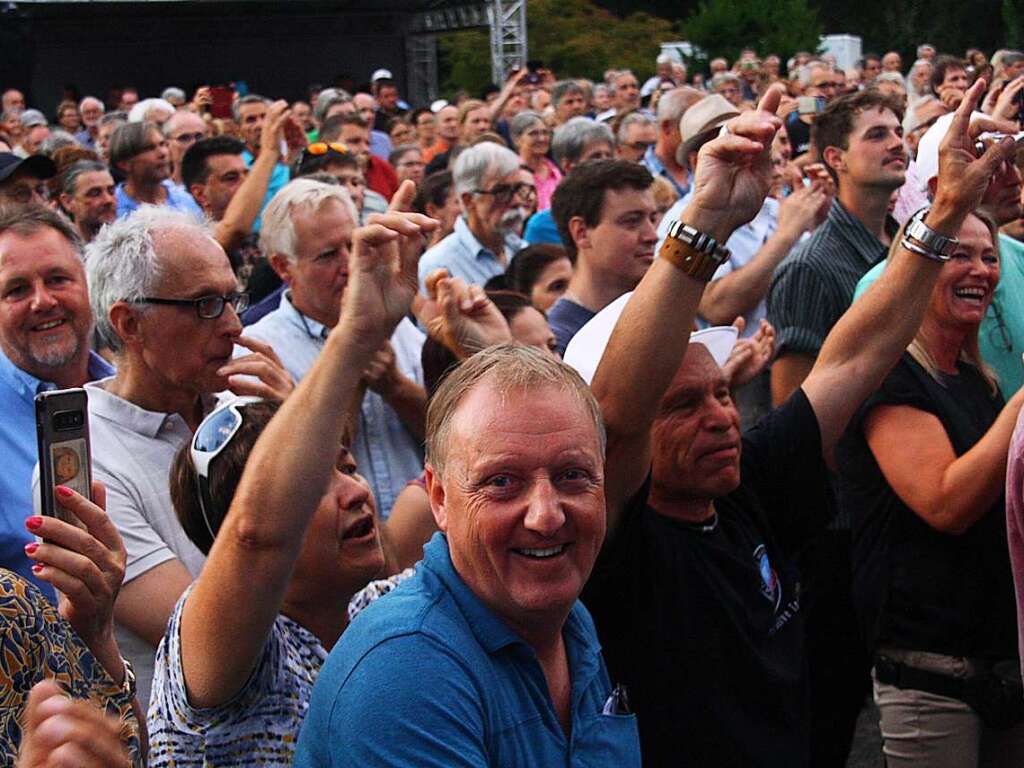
486, 657
45, 322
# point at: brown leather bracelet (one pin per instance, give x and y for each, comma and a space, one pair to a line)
684, 257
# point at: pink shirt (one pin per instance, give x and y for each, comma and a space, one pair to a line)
546, 187
1015, 520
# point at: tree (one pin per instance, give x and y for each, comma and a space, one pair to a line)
782, 27
574, 38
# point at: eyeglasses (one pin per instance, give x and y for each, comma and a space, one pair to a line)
190, 138
639, 146
322, 148
23, 193
211, 438
503, 193
207, 307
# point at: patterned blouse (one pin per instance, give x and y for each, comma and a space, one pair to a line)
258, 727
37, 643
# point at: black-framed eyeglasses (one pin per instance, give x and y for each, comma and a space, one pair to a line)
504, 193
207, 307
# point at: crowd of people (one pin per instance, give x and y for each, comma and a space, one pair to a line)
605, 423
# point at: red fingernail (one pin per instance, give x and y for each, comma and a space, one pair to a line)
33, 522
31, 547
37, 568
63, 490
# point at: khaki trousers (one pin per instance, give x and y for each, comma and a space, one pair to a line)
923, 729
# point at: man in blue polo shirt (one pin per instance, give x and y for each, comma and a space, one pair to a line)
486, 657
45, 323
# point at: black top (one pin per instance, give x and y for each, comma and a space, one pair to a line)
705, 627
914, 587
799, 134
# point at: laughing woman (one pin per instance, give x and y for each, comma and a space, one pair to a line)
922, 467
273, 498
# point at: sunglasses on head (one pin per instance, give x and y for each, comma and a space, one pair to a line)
211, 438
323, 148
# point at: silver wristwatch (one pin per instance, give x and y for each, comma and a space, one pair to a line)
925, 241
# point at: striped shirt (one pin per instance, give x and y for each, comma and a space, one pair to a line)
814, 284
260, 723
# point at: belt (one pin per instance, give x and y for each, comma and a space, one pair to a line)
895, 673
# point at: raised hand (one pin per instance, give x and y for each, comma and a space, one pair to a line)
804, 209
86, 566
273, 127
382, 372
750, 356
734, 171
964, 177
63, 733
382, 269
461, 316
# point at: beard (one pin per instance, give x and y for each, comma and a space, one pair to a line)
53, 355
514, 220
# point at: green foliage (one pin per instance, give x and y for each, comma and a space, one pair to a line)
574, 38
782, 27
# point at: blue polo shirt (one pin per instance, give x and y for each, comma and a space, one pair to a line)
429, 676
464, 256
19, 451
278, 178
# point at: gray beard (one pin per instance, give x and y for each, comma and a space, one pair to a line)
54, 356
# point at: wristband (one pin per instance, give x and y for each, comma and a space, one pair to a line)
925, 241
693, 252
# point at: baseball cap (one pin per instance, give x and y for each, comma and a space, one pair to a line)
587, 347
381, 74
927, 159
706, 115
30, 118
41, 166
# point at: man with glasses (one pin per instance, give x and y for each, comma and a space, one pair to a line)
182, 130
636, 135
23, 180
166, 303
487, 183
818, 80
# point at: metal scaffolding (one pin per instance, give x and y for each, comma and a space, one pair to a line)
506, 23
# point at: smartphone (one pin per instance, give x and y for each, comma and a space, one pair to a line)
987, 139
221, 98
810, 105
65, 458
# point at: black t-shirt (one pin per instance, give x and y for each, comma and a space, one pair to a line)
704, 627
914, 587
799, 134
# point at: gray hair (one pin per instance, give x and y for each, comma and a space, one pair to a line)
620, 73
724, 77
479, 161
172, 92
122, 263
140, 112
69, 176
129, 140
117, 116
509, 368
807, 70
890, 77
522, 122
57, 139
327, 98
633, 118
27, 219
565, 88
252, 98
277, 233
572, 138
81, 104
673, 105
663, 58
